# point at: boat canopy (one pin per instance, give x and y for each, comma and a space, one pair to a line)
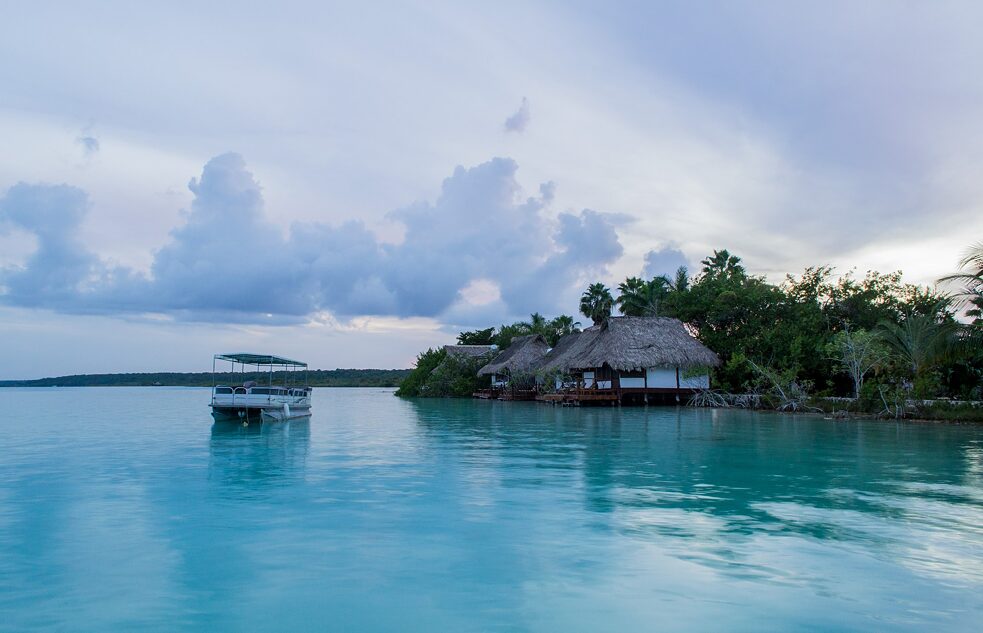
261, 360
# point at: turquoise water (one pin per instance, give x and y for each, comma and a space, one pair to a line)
127, 509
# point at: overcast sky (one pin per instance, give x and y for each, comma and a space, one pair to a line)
349, 186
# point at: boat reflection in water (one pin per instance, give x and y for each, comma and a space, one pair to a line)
251, 455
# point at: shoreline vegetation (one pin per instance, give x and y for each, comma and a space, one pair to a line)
316, 378
838, 345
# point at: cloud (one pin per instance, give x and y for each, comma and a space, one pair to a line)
229, 261
61, 265
518, 121
90, 145
664, 261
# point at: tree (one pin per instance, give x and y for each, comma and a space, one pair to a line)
596, 303
415, 384
560, 327
680, 283
969, 282
477, 337
858, 353
537, 324
918, 343
722, 264
508, 332
643, 298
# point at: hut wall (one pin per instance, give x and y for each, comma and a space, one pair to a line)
695, 382
661, 377
632, 379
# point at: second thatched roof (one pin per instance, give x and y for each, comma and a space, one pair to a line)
523, 355
632, 343
469, 351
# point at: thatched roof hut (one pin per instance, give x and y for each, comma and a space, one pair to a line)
554, 358
523, 355
633, 343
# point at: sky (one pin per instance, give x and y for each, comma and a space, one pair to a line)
349, 185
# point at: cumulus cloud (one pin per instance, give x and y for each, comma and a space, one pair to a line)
518, 121
664, 261
228, 261
53, 275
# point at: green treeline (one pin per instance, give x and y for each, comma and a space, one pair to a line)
317, 378
870, 337
439, 374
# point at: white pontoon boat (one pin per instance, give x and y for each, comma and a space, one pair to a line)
248, 401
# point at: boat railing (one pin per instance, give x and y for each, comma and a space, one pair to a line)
245, 396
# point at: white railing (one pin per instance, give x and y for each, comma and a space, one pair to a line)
243, 397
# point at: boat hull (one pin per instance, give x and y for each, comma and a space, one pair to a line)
272, 413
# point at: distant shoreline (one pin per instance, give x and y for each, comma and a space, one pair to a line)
316, 378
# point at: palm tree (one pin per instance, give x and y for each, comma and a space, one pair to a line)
681, 281
629, 292
559, 327
970, 282
919, 341
596, 303
536, 324
642, 298
722, 264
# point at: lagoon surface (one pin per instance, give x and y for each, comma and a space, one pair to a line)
127, 509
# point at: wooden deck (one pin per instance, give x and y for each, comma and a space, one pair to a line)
654, 395
578, 396
518, 394
505, 394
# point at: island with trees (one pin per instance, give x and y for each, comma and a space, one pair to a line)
817, 341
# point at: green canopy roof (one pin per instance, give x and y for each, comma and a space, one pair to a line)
260, 359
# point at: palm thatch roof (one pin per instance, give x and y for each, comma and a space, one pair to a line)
554, 359
523, 355
632, 343
469, 351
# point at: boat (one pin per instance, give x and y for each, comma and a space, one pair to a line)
247, 400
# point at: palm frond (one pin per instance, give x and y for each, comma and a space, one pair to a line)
973, 258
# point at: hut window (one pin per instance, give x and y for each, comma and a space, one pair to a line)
634, 373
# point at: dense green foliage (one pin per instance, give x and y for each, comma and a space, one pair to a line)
415, 383
803, 329
873, 338
317, 378
552, 330
439, 374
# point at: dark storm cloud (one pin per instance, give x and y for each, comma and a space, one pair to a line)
229, 261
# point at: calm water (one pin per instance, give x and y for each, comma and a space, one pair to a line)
124, 509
